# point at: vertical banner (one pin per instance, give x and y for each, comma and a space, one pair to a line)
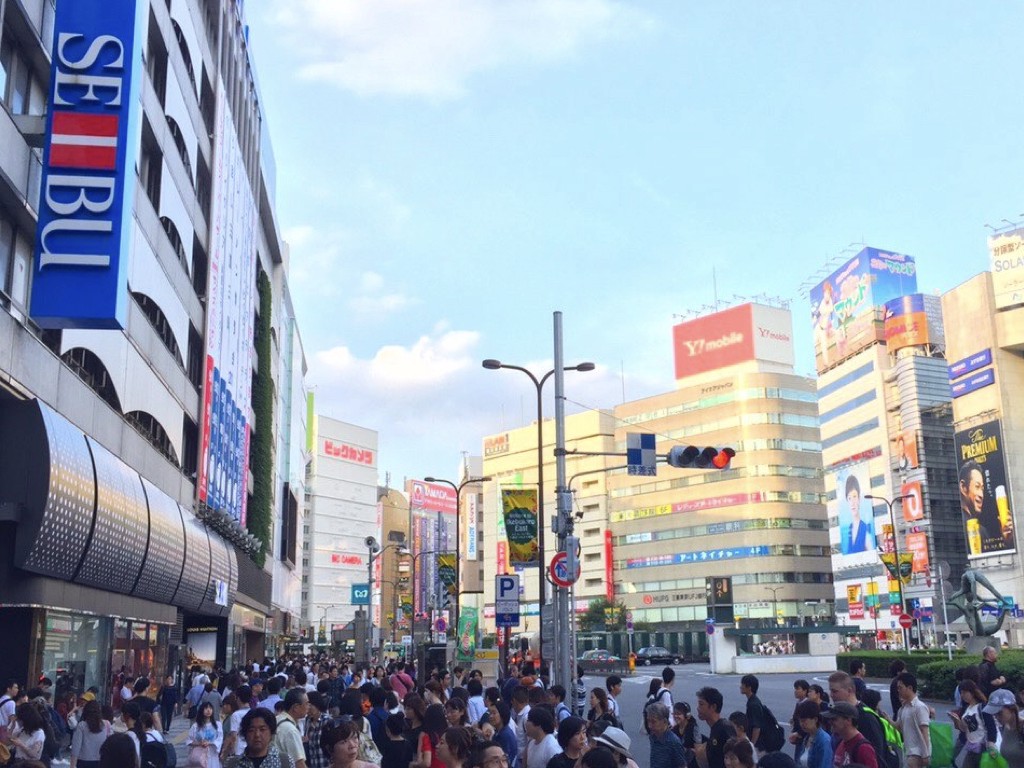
519, 509
913, 501
917, 546
984, 490
609, 568
472, 552
856, 518
446, 565
855, 597
93, 134
501, 557
465, 645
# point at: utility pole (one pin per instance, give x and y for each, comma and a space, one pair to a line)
562, 521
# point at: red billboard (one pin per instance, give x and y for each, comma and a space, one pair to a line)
714, 341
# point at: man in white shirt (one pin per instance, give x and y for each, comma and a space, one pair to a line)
542, 744
8, 703
613, 684
912, 720
235, 722
520, 711
289, 737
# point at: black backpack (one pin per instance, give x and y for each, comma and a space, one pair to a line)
773, 737
157, 754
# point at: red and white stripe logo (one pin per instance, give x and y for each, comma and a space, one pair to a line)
83, 141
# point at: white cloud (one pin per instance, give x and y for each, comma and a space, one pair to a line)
430, 48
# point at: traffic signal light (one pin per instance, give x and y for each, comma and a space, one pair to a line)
692, 457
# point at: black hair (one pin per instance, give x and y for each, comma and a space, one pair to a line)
751, 682
543, 718
908, 680
504, 713
808, 709
856, 666
378, 696
611, 681
474, 687
739, 719
395, 724
558, 691
294, 697
668, 675
712, 697
273, 685
117, 751
334, 732
599, 757
568, 728
260, 713
318, 700
871, 698
802, 684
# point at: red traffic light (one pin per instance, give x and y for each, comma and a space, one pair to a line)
722, 458
692, 457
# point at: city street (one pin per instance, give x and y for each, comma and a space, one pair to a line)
776, 692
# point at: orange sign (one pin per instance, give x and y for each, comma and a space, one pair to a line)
917, 544
913, 501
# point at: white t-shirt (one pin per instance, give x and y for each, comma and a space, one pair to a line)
911, 717
537, 755
7, 711
127, 694
236, 727
33, 742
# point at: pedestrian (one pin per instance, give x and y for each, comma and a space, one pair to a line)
288, 738
119, 751
990, 678
572, 738
168, 699
90, 733
315, 722
913, 723
618, 741
542, 744
857, 671
667, 749
816, 743
205, 738
851, 745
28, 732
709, 709
600, 709
1003, 705
978, 727
897, 667
739, 753
504, 733
454, 747
257, 730
613, 685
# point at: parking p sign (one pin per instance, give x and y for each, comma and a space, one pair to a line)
506, 600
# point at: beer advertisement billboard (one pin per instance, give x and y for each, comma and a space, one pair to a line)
985, 501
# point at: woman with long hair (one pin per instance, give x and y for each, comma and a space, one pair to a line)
415, 708
205, 737
434, 725
454, 747
600, 709
90, 733
352, 706
433, 693
29, 735
131, 716
1004, 707
977, 726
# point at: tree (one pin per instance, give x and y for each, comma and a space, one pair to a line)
603, 615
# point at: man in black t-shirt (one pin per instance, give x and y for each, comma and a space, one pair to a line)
709, 709
755, 709
145, 702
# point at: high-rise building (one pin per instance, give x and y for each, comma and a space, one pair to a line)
886, 435
140, 488
758, 526
985, 338
342, 486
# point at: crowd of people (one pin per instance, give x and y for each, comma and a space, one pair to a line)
323, 713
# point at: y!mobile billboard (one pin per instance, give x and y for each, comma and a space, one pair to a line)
93, 133
736, 335
984, 492
1006, 255
843, 307
227, 393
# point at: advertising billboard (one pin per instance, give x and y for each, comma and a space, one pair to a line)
856, 545
855, 598
231, 301
913, 501
1006, 258
984, 492
735, 335
905, 450
843, 306
432, 509
93, 134
917, 545
906, 324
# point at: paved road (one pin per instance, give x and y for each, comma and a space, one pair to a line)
776, 692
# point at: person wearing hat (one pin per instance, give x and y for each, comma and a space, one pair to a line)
1002, 704
617, 740
852, 746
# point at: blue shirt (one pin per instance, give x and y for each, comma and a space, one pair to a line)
819, 751
667, 751
509, 743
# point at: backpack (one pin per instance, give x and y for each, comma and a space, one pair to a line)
854, 755
60, 728
655, 697
772, 736
893, 754
154, 754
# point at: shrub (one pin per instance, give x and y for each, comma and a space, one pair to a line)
877, 662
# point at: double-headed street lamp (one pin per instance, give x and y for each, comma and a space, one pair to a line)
416, 557
458, 544
375, 550
493, 365
895, 549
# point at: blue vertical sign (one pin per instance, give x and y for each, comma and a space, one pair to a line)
93, 133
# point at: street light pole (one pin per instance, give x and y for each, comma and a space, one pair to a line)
374, 551
896, 552
493, 365
458, 544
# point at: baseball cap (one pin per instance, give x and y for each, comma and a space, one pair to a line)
615, 739
841, 709
998, 700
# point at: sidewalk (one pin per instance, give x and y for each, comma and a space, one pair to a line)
177, 736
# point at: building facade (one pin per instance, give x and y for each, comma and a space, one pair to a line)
887, 434
137, 537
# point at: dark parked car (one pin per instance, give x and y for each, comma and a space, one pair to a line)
655, 654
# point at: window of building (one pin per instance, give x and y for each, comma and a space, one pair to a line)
17, 79
160, 324
91, 370
151, 429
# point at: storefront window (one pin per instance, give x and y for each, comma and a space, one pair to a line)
76, 651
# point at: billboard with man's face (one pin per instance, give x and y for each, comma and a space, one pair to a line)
856, 545
843, 307
984, 493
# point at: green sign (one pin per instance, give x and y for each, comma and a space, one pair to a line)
465, 643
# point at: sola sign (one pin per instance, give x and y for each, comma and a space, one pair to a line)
93, 133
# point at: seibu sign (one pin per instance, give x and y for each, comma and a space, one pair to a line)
736, 335
93, 135
346, 452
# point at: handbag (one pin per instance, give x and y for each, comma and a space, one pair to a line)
993, 760
198, 757
942, 744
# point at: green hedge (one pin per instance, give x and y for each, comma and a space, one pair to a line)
877, 662
260, 516
936, 680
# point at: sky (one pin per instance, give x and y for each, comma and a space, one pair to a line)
451, 172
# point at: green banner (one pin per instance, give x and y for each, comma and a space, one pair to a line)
465, 643
906, 566
446, 565
519, 506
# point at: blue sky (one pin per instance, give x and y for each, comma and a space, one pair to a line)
450, 172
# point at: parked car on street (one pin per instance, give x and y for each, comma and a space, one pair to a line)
656, 654
598, 654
